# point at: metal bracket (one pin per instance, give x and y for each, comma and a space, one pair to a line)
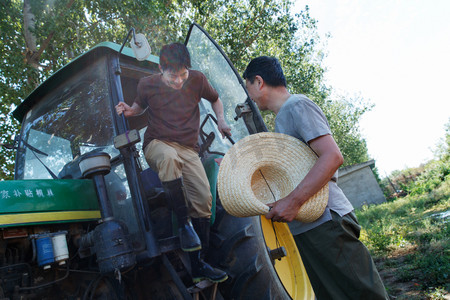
127, 139
278, 253
241, 109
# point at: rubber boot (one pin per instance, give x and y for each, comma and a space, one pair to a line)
189, 240
200, 269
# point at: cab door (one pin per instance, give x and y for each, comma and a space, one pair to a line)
241, 113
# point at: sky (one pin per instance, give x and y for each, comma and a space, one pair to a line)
395, 54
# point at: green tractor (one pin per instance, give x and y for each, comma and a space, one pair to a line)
86, 218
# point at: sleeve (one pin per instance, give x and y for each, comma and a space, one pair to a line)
208, 92
309, 120
141, 96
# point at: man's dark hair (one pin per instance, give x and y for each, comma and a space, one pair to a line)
174, 57
268, 68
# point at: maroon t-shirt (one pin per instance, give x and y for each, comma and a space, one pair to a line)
174, 115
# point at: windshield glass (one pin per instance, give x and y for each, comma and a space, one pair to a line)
69, 121
206, 58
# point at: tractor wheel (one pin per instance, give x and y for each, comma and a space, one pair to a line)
242, 247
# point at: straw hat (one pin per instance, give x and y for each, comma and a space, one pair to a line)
265, 167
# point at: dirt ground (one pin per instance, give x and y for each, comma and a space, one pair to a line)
397, 287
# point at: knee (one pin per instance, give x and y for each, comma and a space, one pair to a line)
170, 159
169, 166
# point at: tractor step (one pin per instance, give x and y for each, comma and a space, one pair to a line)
169, 244
206, 288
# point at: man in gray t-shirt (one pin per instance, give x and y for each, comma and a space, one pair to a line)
339, 266
303, 119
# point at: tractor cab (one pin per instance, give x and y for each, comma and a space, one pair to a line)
72, 115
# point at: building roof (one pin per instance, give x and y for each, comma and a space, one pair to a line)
350, 169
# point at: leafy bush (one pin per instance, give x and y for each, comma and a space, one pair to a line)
435, 173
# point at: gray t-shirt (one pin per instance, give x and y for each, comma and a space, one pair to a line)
303, 119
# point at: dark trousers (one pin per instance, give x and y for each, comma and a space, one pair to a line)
338, 264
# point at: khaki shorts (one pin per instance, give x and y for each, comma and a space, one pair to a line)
172, 161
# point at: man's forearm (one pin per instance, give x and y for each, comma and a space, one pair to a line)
217, 107
136, 109
329, 160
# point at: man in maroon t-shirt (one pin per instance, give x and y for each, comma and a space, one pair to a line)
170, 147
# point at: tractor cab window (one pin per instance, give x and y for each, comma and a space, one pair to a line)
207, 58
74, 119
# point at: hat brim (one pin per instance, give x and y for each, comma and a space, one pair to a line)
263, 168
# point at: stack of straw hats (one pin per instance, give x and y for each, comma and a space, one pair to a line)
265, 167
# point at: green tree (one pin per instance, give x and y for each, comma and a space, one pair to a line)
13, 75
38, 37
344, 115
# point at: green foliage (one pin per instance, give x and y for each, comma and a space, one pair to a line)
344, 115
6, 155
58, 31
13, 79
436, 294
434, 174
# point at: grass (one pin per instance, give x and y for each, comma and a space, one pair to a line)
409, 238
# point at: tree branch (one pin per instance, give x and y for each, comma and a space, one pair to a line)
33, 55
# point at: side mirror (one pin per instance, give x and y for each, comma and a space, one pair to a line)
140, 47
